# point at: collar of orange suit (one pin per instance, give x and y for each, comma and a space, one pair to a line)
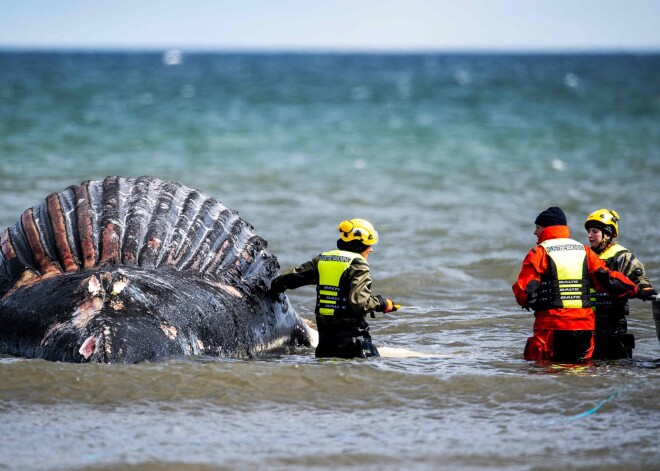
554, 232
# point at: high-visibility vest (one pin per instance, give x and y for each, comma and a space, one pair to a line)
565, 284
334, 289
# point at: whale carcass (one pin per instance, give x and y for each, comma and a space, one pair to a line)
125, 270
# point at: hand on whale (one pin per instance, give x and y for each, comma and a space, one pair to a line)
125, 270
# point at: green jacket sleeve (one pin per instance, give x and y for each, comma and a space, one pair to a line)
632, 267
360, 297
305, 274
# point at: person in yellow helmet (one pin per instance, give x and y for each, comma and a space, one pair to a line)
612, 340
343, 293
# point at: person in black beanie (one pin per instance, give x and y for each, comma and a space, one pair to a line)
343, 292
554, 282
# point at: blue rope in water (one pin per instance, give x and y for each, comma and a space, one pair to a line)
599, 405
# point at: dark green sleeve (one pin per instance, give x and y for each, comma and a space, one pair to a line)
305, 274
632, 267
360, 297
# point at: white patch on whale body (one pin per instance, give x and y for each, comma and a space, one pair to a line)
94, 286
169, 330
119, 285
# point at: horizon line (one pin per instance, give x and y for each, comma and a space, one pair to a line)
327, 50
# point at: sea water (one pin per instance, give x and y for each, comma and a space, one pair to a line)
451, 156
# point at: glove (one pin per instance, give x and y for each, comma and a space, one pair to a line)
532, 294
646, 292
276, 287
389, 305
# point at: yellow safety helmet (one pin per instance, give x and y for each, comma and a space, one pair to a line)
358, 229
604, 219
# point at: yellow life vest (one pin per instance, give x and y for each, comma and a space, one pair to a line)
333, 289
612, 251
565, 284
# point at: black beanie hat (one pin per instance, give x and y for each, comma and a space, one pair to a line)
553, 216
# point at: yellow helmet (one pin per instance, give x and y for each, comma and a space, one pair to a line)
604, 219
358, 229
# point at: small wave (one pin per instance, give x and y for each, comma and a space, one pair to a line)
172, 57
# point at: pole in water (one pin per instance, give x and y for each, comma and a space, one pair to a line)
655, 306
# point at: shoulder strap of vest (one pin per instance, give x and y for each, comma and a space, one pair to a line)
613, 251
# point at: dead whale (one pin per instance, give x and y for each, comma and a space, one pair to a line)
126, 270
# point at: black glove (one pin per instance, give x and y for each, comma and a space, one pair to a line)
532, 294
276, 287
386, 305
274, 295
646, 292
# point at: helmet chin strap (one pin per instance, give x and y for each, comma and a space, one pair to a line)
603, 244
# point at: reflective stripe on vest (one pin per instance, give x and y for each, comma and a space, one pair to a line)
605, 299
333, 290
565, 284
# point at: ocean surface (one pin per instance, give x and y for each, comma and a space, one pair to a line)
451, 156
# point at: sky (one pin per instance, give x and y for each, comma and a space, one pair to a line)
333, 25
